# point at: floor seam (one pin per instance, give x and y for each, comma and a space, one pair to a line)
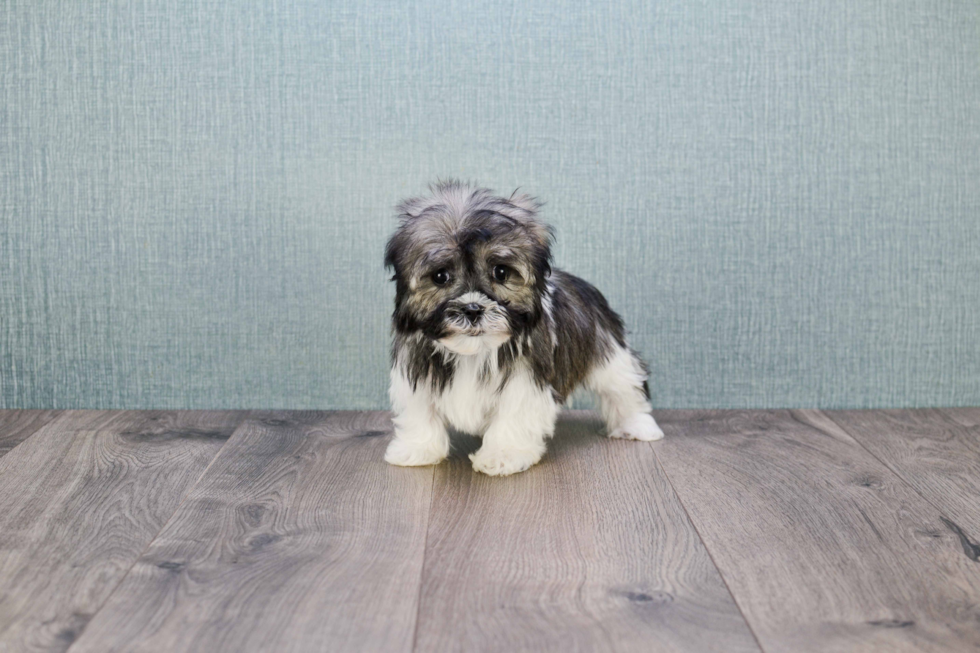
160, 530
425, 557
897, 473
57, 418
707, 550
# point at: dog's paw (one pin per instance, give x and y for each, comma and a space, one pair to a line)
502, 462
407, 453
641, 426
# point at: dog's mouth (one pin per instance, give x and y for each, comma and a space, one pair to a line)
464, 321
473, 340
463, 327
492, 323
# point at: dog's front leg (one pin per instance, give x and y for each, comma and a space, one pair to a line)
524, 419
420, 434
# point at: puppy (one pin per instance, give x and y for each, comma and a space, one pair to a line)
490, 339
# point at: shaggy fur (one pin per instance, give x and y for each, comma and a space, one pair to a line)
490, 339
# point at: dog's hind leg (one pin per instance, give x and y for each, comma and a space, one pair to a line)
620, 383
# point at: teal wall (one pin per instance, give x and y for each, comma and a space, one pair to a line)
781, 198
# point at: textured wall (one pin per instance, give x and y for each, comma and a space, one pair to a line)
782, 198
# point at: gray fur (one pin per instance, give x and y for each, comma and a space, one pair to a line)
558, 324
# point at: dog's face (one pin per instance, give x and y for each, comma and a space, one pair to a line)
470, 267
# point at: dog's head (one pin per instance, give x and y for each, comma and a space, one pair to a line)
470, 267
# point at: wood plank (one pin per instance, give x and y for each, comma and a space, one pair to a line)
823, 547
79, 506
936, 451
17, 425
299, 537
588, 551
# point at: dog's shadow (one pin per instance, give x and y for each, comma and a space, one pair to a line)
575, 430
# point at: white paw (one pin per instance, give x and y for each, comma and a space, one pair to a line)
408, 453
501, 462
641, 426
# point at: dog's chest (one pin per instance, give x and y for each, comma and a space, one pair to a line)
470, 400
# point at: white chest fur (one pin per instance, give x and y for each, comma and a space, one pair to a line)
470, 400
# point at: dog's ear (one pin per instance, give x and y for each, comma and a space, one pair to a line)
411, 207
408, 209
527, 214
542, 251
393, 249
525, 202
542, 235
394, 257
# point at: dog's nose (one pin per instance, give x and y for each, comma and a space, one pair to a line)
473, 311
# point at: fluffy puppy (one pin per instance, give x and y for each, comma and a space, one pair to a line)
490, 339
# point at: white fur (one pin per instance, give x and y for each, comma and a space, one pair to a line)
467, 345
469, 403
420, 433
513, 415
472, 296
547, 304
624, 406
524, 419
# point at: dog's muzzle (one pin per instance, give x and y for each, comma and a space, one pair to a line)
474, 311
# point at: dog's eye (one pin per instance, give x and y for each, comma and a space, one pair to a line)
440, 277
500, 273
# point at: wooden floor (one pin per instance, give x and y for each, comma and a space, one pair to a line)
740, 531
